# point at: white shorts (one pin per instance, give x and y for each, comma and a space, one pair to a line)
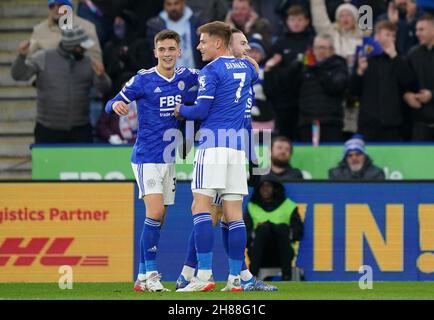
156, 178
220, 170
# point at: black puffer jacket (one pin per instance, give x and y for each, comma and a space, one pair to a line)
422, 62
380, 90
322, 90
277, 81
368, 172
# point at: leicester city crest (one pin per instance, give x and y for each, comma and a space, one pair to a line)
181, 85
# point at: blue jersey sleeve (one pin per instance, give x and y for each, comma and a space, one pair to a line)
254, 74
208, 80
192, 86
131, 91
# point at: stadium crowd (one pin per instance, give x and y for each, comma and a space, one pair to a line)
322, 77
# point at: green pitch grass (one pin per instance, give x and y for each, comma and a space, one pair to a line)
287, 291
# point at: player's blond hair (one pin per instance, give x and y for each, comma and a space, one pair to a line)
218, 29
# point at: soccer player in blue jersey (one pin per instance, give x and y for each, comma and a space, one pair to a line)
239, 46
156, 92
224, 86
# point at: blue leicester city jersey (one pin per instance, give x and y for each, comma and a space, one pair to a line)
227, 82
156, 97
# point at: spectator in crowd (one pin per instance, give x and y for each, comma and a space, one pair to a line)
179, 17
277, 79
426, 5
125, 53
321, 84
404, 14
211, 10
116, 129
275, 11
273, 224
421, 99
47, 34
380, 82
262, 110
356, 164
345, 32
243, 16
281, 169
144, 10
64, 77
101, 14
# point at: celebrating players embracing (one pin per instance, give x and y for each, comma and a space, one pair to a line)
156, 92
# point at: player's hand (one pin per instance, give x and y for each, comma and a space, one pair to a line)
176, 112
98, 67
24, 47
120, 108
411, 99
253, 61
424, 95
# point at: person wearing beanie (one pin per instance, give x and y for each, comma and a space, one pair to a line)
64, 78
345, 31
356, 164
47, 34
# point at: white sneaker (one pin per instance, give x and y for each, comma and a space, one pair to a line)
153, 283
198, 285
233, 285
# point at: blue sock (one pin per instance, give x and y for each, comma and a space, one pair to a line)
142, 266
191, 257
152, 237
225, 238
204, 240
237, 245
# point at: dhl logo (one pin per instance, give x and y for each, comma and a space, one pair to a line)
52, 255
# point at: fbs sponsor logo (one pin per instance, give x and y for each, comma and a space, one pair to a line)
45, 251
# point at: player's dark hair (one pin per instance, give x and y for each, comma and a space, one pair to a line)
235, 30
167, 34
219, 29
385, 25
297, 10
283, 139
426, 17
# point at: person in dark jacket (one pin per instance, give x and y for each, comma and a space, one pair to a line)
321, 86
421, 99
179, 17
277, 79
281, 169
380, 82
356, 164
125, 53
273, 224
